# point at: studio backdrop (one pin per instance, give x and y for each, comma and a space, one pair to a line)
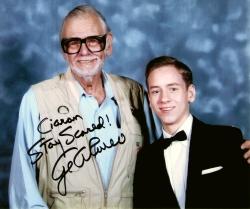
210, 36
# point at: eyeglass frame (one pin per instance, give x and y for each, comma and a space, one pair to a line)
101, 38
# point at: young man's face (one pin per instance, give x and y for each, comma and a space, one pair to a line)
169, 96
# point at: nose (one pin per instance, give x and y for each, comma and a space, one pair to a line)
164, 97
84, 50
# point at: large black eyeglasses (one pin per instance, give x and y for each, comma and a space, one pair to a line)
93, 44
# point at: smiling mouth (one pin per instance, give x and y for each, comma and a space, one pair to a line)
166, 109
87, 61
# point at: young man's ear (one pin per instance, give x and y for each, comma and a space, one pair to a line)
191, 93
109, 47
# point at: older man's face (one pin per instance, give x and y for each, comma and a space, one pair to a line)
86, 63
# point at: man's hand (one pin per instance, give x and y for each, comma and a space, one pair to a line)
246, 146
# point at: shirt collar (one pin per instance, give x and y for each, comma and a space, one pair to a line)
186, 126
107, 86
79, 91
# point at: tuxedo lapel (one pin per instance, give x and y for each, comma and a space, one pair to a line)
223, 185
194, 162
152, 187
162, 178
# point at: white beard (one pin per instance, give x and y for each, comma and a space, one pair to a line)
87, 74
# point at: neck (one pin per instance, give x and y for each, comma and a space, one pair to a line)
172, 128
92, 85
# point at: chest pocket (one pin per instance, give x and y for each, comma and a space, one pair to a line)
76, 200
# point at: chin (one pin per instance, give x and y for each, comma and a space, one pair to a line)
86, 73
168, 121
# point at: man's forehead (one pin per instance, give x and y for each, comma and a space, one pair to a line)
165, 71
83, 23
165, 76
85, 19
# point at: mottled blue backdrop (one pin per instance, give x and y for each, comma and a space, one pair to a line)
211, 36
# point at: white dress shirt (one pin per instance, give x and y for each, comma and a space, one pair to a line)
176, 159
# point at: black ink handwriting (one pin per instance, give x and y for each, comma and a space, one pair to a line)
95, 147
43, 143
66, 136
81, 133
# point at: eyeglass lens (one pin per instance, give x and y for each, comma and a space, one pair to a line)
93, 44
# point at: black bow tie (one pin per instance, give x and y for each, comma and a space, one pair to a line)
180, 136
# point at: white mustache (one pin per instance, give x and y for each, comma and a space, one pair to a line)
87, 73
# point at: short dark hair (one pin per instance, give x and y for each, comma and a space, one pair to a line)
161, 61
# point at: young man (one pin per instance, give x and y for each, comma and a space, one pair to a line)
194, 165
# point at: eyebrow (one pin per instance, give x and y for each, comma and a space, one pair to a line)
168, 85
174, 84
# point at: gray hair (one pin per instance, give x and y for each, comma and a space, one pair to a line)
83, 10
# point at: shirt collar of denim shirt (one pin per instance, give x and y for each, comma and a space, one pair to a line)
78, 91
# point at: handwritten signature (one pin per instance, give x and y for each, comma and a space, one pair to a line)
81, 155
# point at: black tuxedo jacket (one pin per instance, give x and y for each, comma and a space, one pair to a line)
210, 147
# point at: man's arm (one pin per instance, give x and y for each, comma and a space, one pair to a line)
246, 146
23, 189
239, 172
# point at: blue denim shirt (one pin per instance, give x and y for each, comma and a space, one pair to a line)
108, 110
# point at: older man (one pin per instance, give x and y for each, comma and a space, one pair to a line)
79, 132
